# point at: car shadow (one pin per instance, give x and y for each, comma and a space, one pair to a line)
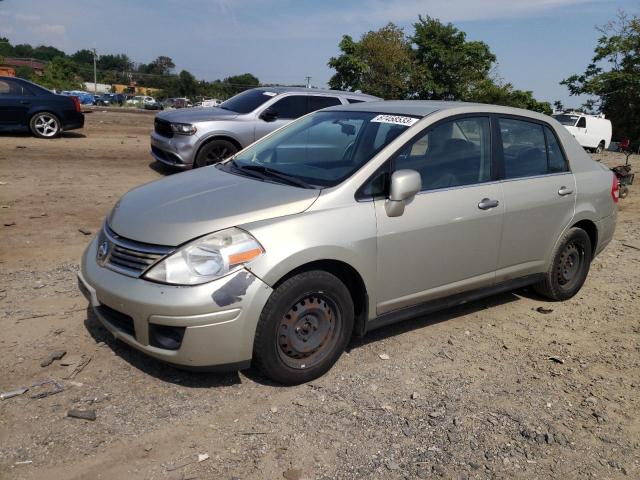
72, 135
162, 169
435, 318
153, 367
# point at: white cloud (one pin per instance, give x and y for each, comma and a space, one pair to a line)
49, 29
27, 18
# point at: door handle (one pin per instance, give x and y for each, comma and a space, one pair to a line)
25, 102
565, 191
487, 203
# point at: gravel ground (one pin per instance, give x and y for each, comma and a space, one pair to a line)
491, 389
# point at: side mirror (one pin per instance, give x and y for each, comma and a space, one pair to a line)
404, 186
269, 115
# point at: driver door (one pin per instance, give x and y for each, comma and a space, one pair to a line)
447, 240
285, 110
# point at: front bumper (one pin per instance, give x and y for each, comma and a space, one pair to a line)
219, 317
177, 151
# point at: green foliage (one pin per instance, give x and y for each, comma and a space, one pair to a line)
488, 91
447, 65
61, 74
614, 76
83, 57
437, 62
27, 73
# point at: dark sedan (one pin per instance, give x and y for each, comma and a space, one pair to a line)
25, 106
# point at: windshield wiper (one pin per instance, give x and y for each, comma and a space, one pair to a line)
225, 108
270, 172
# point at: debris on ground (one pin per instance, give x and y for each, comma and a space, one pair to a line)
384, 356
57, 388
84, 231
82, 414
557, 359
75, 364
13, 393
544, 310
57, 355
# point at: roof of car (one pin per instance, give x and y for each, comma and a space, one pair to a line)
317, 90
422, 108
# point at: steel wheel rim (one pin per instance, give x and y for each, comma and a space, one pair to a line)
46, 125
570, 264
308, 331
215, 155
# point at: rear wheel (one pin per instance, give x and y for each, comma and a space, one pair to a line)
45, 125
623, 191
303, 328
600, 147
569, 267
214, 152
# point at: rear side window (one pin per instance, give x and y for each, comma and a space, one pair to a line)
582, 123
557, 162
526, 151
293, 106
353, 100
9, 88
317, 103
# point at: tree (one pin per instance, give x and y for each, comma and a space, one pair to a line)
83, 57
490, 91
380, 63
47, 53
447, 64
160, 66
617, 87
61, 74
239, 83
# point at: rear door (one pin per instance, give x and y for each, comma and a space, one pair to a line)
15, 102
447, 240
539, 195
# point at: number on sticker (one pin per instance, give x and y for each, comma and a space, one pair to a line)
395, 119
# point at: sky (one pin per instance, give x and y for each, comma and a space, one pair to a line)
537, 42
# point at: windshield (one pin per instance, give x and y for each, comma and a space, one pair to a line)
322, 149
248, 100
569, 120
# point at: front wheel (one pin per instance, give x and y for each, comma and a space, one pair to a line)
569, 266
214, 152
304, 328
45, 125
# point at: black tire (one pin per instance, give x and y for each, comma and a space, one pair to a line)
600, 147
45, 125
569, 267
213, 152
304, 328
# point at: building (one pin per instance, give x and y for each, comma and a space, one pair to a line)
13, 63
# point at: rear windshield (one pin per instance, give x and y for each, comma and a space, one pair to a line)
569, 120
248, 100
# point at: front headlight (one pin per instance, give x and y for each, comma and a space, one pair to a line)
183, 128
207, 258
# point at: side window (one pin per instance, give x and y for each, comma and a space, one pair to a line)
451, 154
582, 123
7, 87
293, 106
317, 103
523, 147
557, 162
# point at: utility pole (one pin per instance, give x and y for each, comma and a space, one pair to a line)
95, 76
308, 81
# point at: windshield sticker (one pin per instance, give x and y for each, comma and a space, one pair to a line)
269, 94
395, 119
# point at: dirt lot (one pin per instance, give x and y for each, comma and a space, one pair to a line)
468, 393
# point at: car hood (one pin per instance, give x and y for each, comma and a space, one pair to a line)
187, 205
197, 114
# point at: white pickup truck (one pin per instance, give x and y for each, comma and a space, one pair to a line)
593, 132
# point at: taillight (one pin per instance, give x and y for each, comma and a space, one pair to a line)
76, 103
615, 189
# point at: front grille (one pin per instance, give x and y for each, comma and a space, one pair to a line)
128, 256
162, 127
117, 319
